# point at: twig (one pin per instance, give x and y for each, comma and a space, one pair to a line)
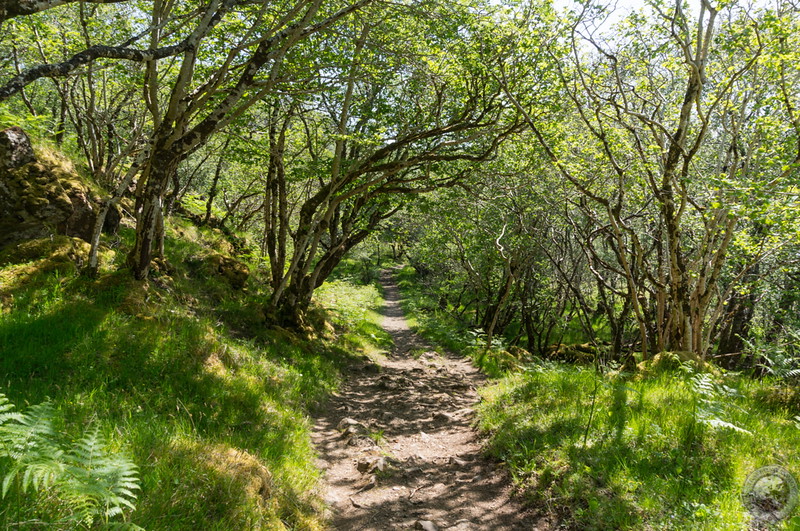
415, 491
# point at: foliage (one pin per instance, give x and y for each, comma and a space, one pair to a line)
779, 358
667, 452
33, 125
85, 480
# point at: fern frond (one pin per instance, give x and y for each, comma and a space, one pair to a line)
95, 484
107, 479
5, 403
27, 438
719, 423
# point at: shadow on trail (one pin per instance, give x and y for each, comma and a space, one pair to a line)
415, 417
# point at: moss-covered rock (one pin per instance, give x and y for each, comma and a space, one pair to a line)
672, 360
232, 270
44, 197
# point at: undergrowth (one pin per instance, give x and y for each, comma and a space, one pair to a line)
182, 373
425, 317
671, 451
445, 331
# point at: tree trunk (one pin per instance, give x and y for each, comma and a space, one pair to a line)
150, 221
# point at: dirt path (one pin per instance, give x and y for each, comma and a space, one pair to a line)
425, 471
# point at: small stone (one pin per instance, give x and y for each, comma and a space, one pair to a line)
442, 417
457, 461
369, 464
425, 525
371, 483
347, 423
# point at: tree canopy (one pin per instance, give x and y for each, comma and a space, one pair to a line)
635, 180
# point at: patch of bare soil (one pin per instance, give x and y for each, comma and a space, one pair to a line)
398, 447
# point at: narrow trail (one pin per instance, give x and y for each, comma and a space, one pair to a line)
426, 470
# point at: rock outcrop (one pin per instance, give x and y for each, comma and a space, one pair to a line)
15, 148
41, 194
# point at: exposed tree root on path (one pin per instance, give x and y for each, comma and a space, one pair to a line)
398, 448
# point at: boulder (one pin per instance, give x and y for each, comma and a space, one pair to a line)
41, 196
15, 148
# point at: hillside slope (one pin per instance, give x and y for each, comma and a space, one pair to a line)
180, 373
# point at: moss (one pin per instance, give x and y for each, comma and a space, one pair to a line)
670, 361
55, 249
49, 180
23, 263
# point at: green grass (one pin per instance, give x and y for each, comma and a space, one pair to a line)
656, 455
355, 312
183, 375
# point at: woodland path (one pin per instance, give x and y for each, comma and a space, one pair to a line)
426, 470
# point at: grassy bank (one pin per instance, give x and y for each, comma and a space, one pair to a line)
670, 451
180, 374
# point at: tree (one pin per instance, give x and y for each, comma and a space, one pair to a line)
661, 112
391, 115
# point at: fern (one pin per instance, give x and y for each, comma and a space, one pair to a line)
709, 408
98, 482
28, 440
94, 484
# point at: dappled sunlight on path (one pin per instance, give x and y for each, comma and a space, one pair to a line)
398, 448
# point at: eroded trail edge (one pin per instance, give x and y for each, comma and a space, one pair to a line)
398, 448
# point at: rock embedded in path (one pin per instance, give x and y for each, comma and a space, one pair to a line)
371, 483
426, 525
370, 464
442, 418
457, 461
347, 424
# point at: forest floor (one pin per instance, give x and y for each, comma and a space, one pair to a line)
398, 449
